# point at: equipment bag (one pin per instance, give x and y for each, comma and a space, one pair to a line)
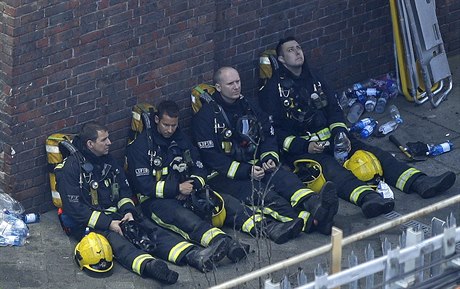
56, 153
142, 117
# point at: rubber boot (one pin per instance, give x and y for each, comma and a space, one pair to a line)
428, 187
202, 259
219, 247
236, 250
158, 270
373, 204
323, 207
280, 232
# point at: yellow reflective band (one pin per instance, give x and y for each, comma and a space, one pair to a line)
304, 215
111, 210
232, 170
287, 142
137, 263
264, 60
272, 153
142, 198
124, 201
175, 252
337, 124
323, 134
52, 149
275, 215
354, 196
202, 181
173, 228
251, 222
402, 180
165, 171
299, 195
93, 219
159, 191
209, 235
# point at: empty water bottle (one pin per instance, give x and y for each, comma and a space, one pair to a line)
13, 231
358, 126
395, 115
368, 130
342, 146
435, 150
384, 190
370, 103
381, 102
355, 112
388, 127
27, 218
342, 99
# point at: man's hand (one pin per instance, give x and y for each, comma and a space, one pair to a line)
316, 147
127, 217
257, 173
269, 166
186, 187
115, 226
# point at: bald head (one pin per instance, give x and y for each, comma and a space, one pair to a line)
227, 82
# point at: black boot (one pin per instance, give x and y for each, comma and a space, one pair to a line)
158, 270
219, 248
282, 232
428, 187
372, 204
203, 259
323, 207
236, 250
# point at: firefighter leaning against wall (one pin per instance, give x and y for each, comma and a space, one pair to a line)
96, 196
305, 115
166, 173
236, 140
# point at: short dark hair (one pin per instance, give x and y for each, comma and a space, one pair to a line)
169, 108
281, 42
89, 131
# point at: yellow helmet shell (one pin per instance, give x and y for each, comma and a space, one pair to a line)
311, 173
219, 212
94, 253
364, 165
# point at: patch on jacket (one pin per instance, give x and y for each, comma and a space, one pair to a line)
199, 164
207, 144
73, 198
142, 172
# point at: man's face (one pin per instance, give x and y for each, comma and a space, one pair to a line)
229, 85
292, 54
102, 144
166, 125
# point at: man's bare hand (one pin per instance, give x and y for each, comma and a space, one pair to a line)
115, 226
315, 147
186, 188
269, 166
257, 173
127, 217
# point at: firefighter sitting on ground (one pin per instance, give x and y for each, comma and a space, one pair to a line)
305, 115
166, 173
96, 195
237, 142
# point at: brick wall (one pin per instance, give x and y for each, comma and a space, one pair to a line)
63, 63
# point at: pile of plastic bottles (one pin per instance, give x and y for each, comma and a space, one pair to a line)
371, 95
13, 228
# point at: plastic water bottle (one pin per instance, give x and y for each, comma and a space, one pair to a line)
435, 150
27, 218
381, 102
358, 126
355, 112
395, 115
388, 127
384, 190
341, 147
370, 103
342, 99
368, 130
13, 231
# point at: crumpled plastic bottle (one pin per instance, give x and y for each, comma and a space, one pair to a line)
384, 190
10, 204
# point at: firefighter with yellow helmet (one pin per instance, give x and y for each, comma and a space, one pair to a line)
96, 197
166, 172
306, 115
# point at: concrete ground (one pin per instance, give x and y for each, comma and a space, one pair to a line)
46, 261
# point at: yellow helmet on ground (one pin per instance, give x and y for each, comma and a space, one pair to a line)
310, 173
219, 213
94, 253
364, 165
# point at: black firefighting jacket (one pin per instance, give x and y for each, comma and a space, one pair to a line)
113, 193
157, 165
296, 117
221, 147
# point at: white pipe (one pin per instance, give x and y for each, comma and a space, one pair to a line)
324, 249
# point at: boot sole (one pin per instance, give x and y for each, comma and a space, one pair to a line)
291, 233
238, 253
220, 251
371, 210
330, 201
162, 273
444, 184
